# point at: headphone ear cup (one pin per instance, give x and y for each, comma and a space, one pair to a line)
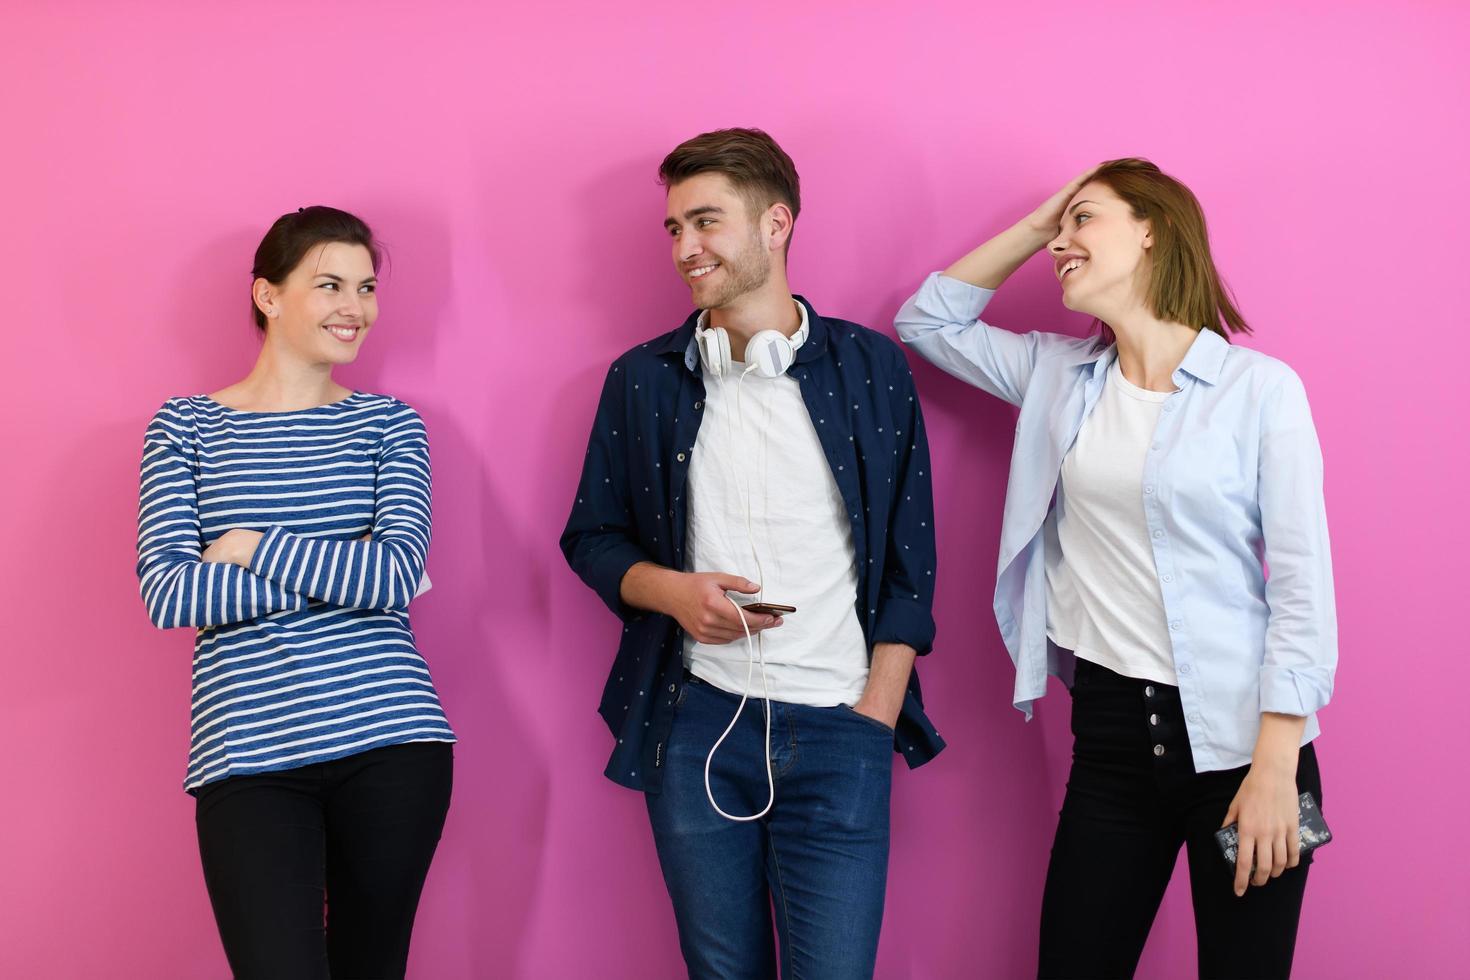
723, 340
714, 350
771, 352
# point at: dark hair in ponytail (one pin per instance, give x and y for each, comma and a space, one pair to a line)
298, 232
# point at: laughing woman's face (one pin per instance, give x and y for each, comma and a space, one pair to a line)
1100, 254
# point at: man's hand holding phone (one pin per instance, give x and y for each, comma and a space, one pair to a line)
698, 601
767, 609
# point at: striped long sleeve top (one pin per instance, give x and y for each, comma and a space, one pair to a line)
307, 655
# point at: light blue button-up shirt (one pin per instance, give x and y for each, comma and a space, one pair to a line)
1232, 487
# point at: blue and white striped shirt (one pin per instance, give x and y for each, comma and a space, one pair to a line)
307, 655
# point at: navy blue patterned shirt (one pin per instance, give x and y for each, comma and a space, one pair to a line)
632, 506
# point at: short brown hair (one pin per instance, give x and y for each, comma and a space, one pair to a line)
753, 162
1184, 286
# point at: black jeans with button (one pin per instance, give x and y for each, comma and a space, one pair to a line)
1133, 798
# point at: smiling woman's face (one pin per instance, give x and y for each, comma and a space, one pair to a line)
325, 306
1100, 255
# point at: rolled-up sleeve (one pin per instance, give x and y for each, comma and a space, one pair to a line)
599, 540
1301, 634
942, 322
906, 590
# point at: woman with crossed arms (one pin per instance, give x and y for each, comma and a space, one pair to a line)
286, 518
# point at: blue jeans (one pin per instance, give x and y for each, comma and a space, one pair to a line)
820, 856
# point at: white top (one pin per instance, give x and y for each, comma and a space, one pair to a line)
757, 442
1103, 597
1232, 483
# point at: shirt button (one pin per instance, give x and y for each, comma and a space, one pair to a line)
1148, 692
1174, 624
1158, 750
1168, 406
1184, 669
673, 688
1155, 447
1157, 534
1148, 489
1194, 718
698, 406
1152, 719
680, 457
1168, 578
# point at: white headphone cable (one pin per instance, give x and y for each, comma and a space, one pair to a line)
755, 649
745, 696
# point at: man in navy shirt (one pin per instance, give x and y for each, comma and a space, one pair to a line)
760, 453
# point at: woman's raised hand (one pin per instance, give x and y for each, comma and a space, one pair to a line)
1047, 218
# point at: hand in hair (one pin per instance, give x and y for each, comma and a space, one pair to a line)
1047, 218
992, 263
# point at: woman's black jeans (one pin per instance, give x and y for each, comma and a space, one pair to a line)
316, 872
1129, 806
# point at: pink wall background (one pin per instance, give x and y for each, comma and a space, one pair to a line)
507, 156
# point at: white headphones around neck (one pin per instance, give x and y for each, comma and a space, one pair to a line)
769, 353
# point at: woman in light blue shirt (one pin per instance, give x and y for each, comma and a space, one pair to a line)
1158, 472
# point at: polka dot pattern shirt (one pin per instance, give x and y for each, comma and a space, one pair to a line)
632, 505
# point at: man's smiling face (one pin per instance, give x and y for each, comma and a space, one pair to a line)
718, 247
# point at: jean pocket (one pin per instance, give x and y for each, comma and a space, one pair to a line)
866, 719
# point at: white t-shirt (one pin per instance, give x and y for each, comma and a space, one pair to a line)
1102, 589
757, 441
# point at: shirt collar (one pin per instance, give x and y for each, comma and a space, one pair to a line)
1203, 361
682, 340
1205, 357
